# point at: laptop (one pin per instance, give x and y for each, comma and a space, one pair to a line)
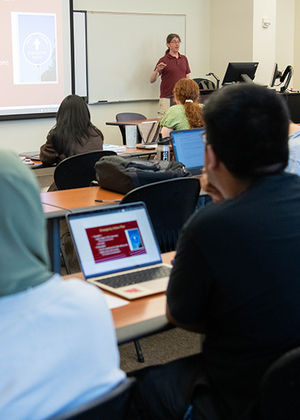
118, 251
149, 132
189, 148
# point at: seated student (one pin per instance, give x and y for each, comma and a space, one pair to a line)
58, 346
187, 113
294, 149
236, 271
73, 133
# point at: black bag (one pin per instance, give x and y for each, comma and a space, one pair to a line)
121, 175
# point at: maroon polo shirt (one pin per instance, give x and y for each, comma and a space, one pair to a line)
176, 69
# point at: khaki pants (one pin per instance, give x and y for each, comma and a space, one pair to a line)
164, 105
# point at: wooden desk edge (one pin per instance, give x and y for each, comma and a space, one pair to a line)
133, 122
144, 327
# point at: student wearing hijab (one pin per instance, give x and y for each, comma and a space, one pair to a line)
58, 347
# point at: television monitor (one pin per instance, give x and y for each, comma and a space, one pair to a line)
275, 75
240, 72
36, 58
286, 78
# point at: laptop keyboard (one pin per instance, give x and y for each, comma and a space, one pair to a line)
127, 279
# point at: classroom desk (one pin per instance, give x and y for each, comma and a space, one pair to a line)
78, 197
44, 170
57, 203
132, 122
142, 317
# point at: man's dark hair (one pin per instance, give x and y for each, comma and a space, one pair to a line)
247, 126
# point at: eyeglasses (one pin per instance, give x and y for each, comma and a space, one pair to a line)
204, 139
175, 42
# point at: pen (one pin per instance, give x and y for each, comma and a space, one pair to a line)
107, 201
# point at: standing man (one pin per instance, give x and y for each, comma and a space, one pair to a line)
236, 272
172, 67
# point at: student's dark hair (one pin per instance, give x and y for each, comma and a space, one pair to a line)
73, 125
247, 126
169, 39
187, 92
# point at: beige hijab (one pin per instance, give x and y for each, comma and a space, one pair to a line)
24, 260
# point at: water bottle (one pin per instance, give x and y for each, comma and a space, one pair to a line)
163, 148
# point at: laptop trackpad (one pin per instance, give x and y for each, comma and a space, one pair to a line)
159, 285
146, 288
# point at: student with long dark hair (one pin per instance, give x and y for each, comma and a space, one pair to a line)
73, 133
172, 67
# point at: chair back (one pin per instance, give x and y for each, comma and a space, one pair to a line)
170, 203
111, 406
279, 395
78, 171
204, 83
129, 116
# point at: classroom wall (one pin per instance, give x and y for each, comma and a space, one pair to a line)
218, 31
231, 33
286, 37
30, 134
264, 39
237, 35
296, 78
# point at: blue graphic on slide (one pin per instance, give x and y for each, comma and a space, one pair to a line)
34, 47
135, 241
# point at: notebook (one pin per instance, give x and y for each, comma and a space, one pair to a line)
188, 149
118, 243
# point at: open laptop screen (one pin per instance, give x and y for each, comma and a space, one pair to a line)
188, 148
114, 239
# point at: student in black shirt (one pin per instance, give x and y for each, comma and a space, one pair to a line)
236, 272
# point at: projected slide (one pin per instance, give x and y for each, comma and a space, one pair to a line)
35, 59
116, 241
34, 48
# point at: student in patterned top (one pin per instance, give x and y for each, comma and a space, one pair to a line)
187, 113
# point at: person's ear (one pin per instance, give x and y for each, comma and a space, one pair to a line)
212, 160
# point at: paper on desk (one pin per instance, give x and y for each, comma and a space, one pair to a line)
114, 147
114, 302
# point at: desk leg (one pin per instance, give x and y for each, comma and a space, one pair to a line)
53, 228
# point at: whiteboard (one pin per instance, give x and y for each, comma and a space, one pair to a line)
80, 53
123, 49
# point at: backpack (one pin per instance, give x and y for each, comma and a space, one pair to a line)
121, 175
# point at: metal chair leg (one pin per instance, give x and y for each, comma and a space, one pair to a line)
139, 352
65, 258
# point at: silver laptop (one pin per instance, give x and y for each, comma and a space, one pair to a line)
189, 148
149, 132
118, 251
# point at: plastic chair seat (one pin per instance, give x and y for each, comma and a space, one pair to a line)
78, 171
170, 203
129, 116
